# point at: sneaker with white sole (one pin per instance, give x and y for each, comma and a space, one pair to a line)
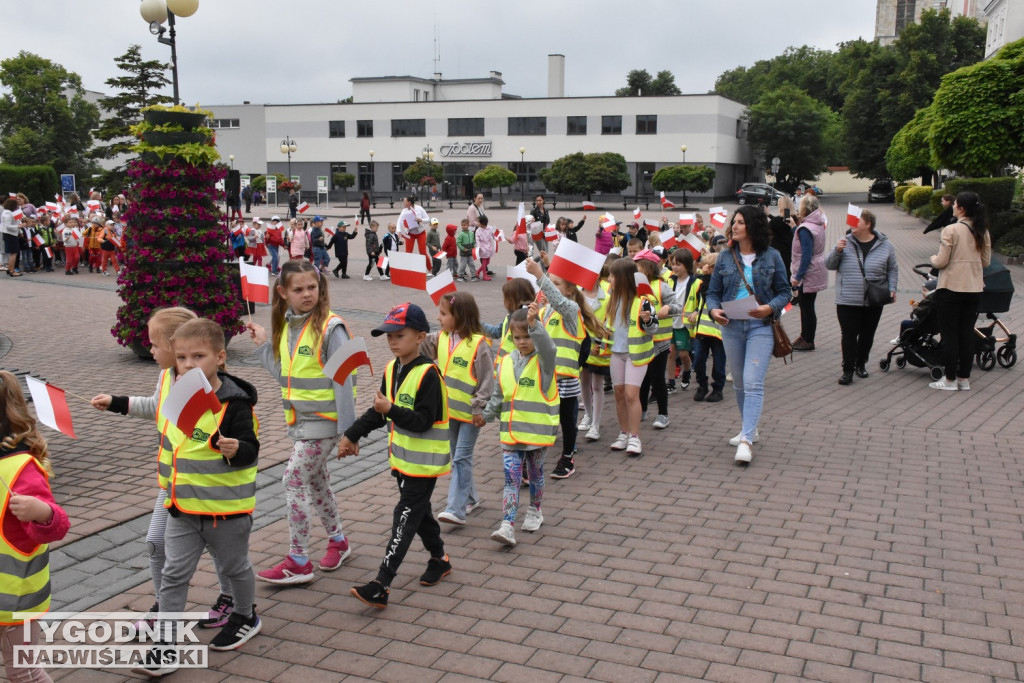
735, 441
660, 422
963, 385
944, 385
534, 518
504, 534
287, 572
895, 341
385, 277
621, 442
160, 660
219, 613
337, 552
586, 424
450, 518
633, 446
238, 631
472, 506
743, 453
367, 278
593, 434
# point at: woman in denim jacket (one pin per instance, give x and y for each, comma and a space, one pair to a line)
749, 343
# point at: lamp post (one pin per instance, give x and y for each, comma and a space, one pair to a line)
156, 12
288, 146
370, 169
231, 158
682, 148
522, 178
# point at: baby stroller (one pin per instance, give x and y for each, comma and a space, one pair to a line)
919, 346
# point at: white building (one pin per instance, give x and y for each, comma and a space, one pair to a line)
470, 123
1005, 23
892, 16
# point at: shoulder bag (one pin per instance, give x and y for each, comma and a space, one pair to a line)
783, 347
876, 292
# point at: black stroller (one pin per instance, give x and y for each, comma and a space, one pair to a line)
920, 346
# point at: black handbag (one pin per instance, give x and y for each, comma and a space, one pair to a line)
876, 292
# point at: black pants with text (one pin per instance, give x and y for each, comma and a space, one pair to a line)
858, 325
413, 515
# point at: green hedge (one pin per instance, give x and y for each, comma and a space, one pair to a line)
1004, 223
1012, 243
996, 193
916, 197
936, 202
39, 183
900, 191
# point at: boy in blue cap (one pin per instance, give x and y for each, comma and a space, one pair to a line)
321, 259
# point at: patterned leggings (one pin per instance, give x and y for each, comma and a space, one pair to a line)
12, 636
514, 462
307, 483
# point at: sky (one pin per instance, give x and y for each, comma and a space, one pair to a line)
305, 51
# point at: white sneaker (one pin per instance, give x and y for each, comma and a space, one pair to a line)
505, 535
367, 277
384, 277
735, 441
944, 384
634, 446
660, 422
620, 443
586, 424
472, 506
963, 385
728, 377
895, 341
593, 434
534, 518
743, 453
450, 519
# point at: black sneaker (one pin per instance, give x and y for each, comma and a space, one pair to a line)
684, 381
700, 394
374, 594
219, 613
437, 569
564, 469
162, 659
237, 631
715, 396
671, 387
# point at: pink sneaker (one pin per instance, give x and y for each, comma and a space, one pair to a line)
287, 572
337, 552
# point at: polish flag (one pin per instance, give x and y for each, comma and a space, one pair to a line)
852, 215
188, 400
537, 231
608, 222
652, 224
73, 211
550, 233
49, 252
115, 239
521, 219
301, 208
476, 253
12, 195
440, 255
665, 203
93, 205
235, 229
643, 285
346, 359
115, 209
408, 270
513, 272
76, 233
718, 220
587, 206
687, 219
18, 214
440, 285
637, 214
693, 243
500, 236
38, 239
408, 227
382, 262
52, 206
786, 309
668, 238
51, 406
255, 283
577, 264
329, 231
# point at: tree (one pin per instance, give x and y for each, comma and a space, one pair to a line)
585, 174
260, 182
137, 90
640, 84
684, 179
44, 118
807, 68
493, 175
421, 170
909, 155
344, 181
790, 124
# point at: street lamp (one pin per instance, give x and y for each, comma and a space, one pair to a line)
682, 148
522, 177
231, 158
371, 175
288, 147
156, 12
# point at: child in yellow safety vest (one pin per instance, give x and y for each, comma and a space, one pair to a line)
413, 401
526, 402
465, 360
30, 520
679, 366
516, 293
317, 409
665, 304
707, 336
594, 371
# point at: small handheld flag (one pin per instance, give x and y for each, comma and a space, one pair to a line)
643, 285
853, 215
188, 400
637, 214
668, 239
408, 270
513, 272
718, 220
255, 283
442, 284
303, 207
382, 262
51, 406
577, 264
589, 206
651, 224
687, 219
666, 203
346, 359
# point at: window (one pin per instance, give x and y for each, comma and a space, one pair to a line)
336, 129
366, 175
527, 125
575, 125
611, 125
464, 127
398, 181
408, 128
527, 174
336, 167
364, 129
415, 94
646, 124
224, 123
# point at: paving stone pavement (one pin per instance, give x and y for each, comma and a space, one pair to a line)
877, 536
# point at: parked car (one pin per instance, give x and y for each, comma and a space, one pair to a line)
882, 191
752, 193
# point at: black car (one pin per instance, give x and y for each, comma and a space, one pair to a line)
758, 193
882, 191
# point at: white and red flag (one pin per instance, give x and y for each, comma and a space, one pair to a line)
440, 255
499, 236
329, 231
237, 228
717, 209
694, 244
537, 231
51, 406
52, 206
255, 283
687, 219
608, 223
513, 272
651, 224
346, 359
476, 253
73, 211
382, 262
643, 285
718, 220
303, 207
588, 206
188, 400
37, 239
637, 214
550, 233
18, 214
521, 219
668, 238
852, 215
49, 252
666, 203
93, 204
408, 270
577, 264
443, 283
115, 240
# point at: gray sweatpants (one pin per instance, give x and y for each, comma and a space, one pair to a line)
467, 267
185, 539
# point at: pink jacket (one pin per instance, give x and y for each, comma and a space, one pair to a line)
816, 278
300, 242
485, 241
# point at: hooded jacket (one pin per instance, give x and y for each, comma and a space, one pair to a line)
449, 245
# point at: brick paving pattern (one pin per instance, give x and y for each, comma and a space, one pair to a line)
877, 535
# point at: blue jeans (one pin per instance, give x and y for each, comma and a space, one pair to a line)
461, 489
702, 347
748, 345
273, 258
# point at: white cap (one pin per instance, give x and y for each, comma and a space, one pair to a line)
434, 221
275, 218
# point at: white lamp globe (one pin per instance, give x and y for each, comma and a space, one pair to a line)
153, 10
183, 8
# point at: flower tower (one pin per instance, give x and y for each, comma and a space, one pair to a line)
176, 245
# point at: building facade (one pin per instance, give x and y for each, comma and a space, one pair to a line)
1005, 23
892, 16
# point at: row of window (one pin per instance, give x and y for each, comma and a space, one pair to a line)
646, 124
223, 123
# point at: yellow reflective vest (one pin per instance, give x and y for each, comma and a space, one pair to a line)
705, 325
641, 342
457, 368
304, 387
24, 577
166, 451
529, 412
600, 349
567, 346
664, 331
507, 345
417, 454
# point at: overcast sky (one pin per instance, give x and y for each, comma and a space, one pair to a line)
281, 51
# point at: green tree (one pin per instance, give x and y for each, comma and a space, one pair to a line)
44, 117
585, 174
909, 155
493, 175
423, 168
790, 124
344, 181
639, 83
260, 182
684, 179
137, 89
805, 67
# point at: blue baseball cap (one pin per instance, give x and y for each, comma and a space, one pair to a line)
318, 218
402, 316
